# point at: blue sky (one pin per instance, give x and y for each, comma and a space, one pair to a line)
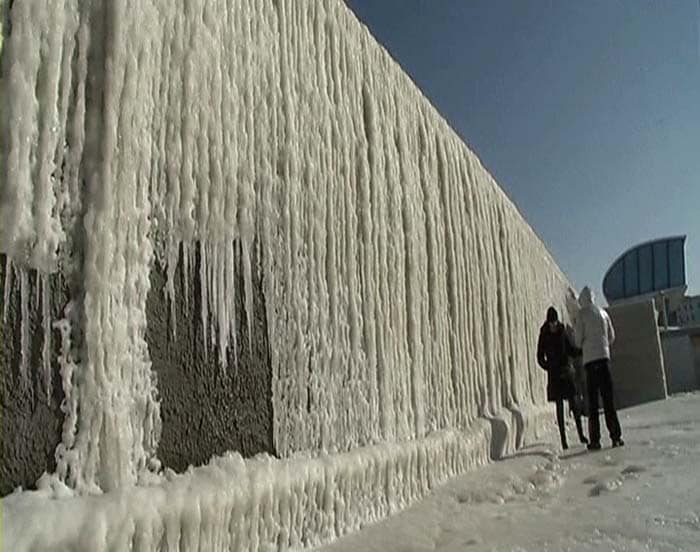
587, 113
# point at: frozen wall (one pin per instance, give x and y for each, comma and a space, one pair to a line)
403, 290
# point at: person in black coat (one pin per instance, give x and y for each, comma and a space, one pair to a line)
554, 351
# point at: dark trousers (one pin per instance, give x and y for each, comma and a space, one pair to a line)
561, 420
600, 382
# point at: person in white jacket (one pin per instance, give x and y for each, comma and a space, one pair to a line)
594, 334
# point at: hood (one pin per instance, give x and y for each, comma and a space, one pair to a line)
572, 306
586, 298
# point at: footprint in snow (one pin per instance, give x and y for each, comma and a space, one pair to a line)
633, 469
605, 486
591, 480
609, 461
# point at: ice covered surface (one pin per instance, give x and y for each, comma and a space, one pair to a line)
238, 505
403, 289
645, 496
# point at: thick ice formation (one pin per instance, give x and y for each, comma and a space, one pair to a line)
402, 286
238, 505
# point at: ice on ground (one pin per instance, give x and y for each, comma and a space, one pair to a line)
608, 501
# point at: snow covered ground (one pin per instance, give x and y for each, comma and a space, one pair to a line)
645, 496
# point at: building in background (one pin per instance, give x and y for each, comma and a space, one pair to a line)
651, 270
646, 289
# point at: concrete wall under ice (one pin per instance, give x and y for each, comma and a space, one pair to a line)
30, 413
205, 410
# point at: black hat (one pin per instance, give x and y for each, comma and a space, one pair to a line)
552, 315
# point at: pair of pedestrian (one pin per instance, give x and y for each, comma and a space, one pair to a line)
593, 336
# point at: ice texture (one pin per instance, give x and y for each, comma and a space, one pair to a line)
403, 288
237, 505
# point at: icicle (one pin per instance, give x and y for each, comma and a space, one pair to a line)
65, 457
7, 290
25, 339
221, 305
171, 270
247, 230
187, 265
203, 284
46, 324
232, 290
213, 297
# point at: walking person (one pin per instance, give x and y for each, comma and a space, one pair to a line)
594, 335
554, 351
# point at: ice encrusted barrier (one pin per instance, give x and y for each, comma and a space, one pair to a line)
239, 505
265, 504
403, 288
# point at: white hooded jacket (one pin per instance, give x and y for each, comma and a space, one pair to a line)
594, 331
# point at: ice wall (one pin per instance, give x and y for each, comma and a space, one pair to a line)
403, 288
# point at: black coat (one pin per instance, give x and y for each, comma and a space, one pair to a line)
554, 351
